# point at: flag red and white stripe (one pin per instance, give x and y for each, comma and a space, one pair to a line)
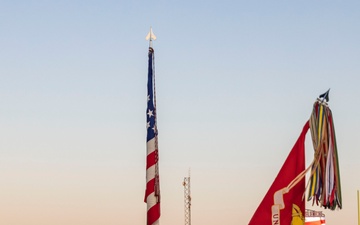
152, 193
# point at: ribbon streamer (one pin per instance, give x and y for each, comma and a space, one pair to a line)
324, 188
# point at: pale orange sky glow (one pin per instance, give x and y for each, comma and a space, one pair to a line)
235, 82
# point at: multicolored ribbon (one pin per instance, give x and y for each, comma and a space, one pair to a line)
324, 186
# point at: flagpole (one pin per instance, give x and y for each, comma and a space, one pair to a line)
358, 206
152, 192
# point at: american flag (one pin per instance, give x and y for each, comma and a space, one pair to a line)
152, 193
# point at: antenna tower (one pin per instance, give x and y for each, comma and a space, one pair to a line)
187, 200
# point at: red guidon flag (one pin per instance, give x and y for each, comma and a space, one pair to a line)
283, 204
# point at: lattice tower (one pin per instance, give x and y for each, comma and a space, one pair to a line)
187, 200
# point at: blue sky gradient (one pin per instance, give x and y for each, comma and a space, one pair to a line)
236, 81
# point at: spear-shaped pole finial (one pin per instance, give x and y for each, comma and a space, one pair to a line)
325, 96
150, 37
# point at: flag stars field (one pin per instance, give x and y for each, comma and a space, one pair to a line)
150, 113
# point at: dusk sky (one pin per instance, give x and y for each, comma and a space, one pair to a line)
235, 82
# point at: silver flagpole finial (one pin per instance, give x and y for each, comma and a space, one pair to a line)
150, 37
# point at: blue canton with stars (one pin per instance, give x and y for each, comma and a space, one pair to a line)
151, 111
